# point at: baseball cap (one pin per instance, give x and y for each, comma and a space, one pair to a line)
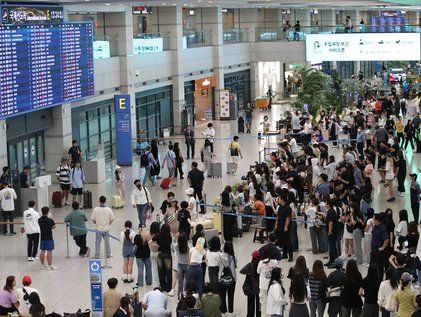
26, 279
339, 263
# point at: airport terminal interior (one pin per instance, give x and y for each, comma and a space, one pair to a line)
215, 158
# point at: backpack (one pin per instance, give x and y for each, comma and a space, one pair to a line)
227, 278
144, 160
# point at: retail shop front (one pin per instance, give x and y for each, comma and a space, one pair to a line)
199, 101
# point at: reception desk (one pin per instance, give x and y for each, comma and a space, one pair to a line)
94, 170
39, 195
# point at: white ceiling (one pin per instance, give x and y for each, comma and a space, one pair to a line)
364, 4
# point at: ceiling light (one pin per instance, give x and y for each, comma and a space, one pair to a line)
185, 4
174, 4
164, 3
87, 0
107, 4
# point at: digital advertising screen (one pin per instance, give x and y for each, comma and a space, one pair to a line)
363, 47
44, 65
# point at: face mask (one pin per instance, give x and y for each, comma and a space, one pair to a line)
139, 185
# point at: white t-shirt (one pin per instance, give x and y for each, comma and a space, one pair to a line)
196, 256
24, 304
103, 217
264, 269
402, 229
30, 221
192, 204
7, 197
370, 224
132, 234
213, 258
294, 146
210, 134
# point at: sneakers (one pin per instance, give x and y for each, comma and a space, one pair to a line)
88, 252
95, 256
171, 293
43, 267
30, 259
52, 268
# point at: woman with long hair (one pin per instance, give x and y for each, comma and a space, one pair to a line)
318, 286
164, 239
276, 302
120, 186
228, 260
369, 290
143, 257
37, 309
270, 205
252, 279
387, 287
402, 228
405, 296
127, 236
153, 246
171, 216
9, 301
300, 268
409, 133
390, 175
298, 294
228, 220
366, 191
351, 300
401, 173
194, 270
155, 169
213, 261
178, 160
357, 223
182, 251
368, 227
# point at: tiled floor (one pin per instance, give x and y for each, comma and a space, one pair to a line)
67, 289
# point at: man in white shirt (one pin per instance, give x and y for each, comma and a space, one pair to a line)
32, 229
7, 198
23, 295
102, 216
295, 149
210, 135
141, 200
155, 304
295, 122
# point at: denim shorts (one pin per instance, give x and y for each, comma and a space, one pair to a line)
47, 245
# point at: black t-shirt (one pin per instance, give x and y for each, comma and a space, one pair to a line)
332, 217
248, 112
75, 153
283, 213
23, 180
196, 178
165, 205
46, 225
324, 154
371, 289
401, 165
142, 247
183, 216
164, 244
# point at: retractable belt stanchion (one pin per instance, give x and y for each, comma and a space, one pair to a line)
67, 241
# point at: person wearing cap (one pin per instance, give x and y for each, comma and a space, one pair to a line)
334, 284
7, 204
76, 220
63, 178
405, 296
32, 229
415, 191
120, 186
77, 180
23, 295
191, 201
24, 177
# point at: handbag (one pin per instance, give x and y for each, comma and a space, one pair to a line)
151, 207
248, 286
79, 313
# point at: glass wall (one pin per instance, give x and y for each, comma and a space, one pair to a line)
188, 115
94, 125
239, 83
368, 68
154, 112
345, 69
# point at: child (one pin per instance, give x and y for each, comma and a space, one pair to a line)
266, 125
46, 225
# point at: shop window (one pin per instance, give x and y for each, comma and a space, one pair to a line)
93, 126
83, 131
105, 123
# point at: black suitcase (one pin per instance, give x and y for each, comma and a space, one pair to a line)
87, 199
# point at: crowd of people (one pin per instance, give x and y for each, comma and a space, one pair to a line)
302, 182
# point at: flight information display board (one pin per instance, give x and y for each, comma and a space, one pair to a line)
43, 65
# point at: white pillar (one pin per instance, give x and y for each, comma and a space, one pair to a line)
3, 144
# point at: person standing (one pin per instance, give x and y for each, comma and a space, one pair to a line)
7, 203
179, 160
196, 178
409, 133
283, 225
46, 225
379, 243
297, 28
128, 251
5, 177
235, 153
102, 216
210, 135
401, 173
77, 180
141, 200
24, 177
30, 223
149, 165
248, 111
63, 178
415, 192
143, 257
190, 141
120, 186
76, 221
332, 232
228, 260
75, 153
171, 163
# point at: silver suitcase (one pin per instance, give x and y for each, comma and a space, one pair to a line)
230, 167
215, 169
209, 233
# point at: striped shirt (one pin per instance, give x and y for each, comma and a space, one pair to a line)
317, 287
62, 174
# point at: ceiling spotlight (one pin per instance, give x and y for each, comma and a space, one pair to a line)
107, 4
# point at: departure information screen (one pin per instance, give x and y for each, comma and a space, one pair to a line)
43, 65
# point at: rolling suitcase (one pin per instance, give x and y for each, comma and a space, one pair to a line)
165, 184
230, 167
215, 169
87, 199
210, 233
116, 202
57, 199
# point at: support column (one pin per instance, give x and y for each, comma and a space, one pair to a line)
327, 18
58, 138
171, 22
3, 144
212, 21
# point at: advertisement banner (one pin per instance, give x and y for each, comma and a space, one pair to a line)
95, 277
363, 47
224, 102
101, 49
15, 13
123, 128
141, 46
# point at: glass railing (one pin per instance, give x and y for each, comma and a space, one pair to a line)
291, 34
235, 36
193, 39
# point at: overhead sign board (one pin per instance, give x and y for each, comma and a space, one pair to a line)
363, 47
15, 13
